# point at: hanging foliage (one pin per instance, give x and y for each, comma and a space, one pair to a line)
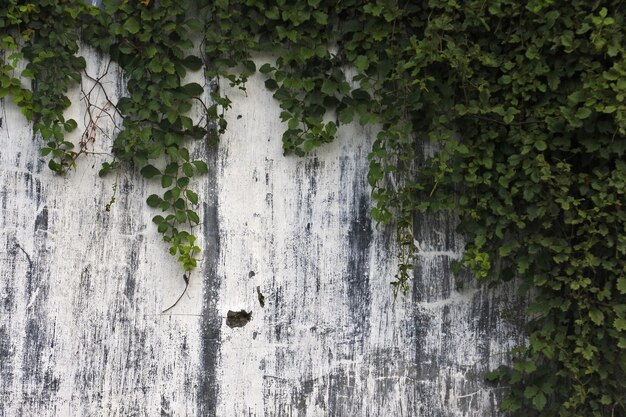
524, 102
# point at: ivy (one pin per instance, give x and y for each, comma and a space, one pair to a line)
150, 44
523, 103
45, 34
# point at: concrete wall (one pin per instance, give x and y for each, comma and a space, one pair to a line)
82, 289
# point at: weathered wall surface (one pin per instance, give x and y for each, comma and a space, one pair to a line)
82, 289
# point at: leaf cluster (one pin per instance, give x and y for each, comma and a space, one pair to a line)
523, 103
45, 35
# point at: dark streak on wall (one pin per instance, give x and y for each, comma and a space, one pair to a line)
358, 271
41, 384
211, 320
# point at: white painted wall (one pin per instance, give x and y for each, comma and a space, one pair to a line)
82, 289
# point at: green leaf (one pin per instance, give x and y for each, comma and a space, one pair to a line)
272, 13
346, 115
596, 316
266, 68
360, 94
621, 285
166, 181
361, 63
583, 113
182, 182
132, 25
171, 169
172, 116
539, 401
70, 125
320, 17
188, 169
186, 122
508, 247
196, 25
193, 217
271, 84
375, 173
531, 391
154, 200
192, 62
329, 87
106, 168
249, 66
149, 171
181, 216
179, 204
193, 89
201, 167
193, 197
55, 166
293, 123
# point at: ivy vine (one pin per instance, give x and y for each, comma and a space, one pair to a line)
525, 103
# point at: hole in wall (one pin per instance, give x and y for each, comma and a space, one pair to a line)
238, 318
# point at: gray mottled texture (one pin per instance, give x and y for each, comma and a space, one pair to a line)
82, 289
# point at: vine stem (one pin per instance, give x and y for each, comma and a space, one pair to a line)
187, 278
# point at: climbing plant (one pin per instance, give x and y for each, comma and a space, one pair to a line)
522, 105
45, 34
